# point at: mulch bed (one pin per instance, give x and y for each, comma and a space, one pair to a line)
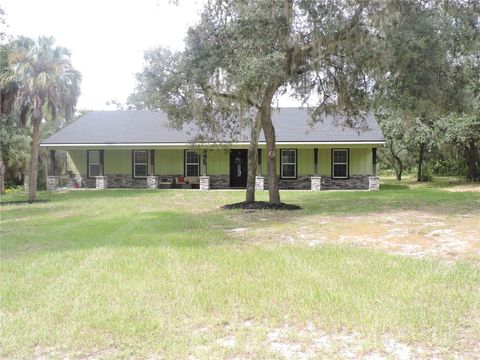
260, 205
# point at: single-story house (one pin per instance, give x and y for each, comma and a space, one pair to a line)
124, 149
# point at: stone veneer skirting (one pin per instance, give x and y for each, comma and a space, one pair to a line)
300, 183
359, 182
355, 182
219, 181
114, 181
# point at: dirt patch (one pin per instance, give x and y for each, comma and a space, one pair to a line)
260, 205
410, 233
464, 188
310, 342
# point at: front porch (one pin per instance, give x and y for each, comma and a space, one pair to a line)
300, 168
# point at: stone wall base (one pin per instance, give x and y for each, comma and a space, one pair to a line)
300, 183
219, 181
53, 183
356, 182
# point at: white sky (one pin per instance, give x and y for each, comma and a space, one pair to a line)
107, 38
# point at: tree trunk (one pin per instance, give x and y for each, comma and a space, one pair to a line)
399, 169
472, 160
269, 132
252, 157
33, 169
2, 177
420, 163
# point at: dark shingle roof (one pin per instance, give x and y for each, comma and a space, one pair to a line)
137, 127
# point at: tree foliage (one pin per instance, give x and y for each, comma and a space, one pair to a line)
39, 78
243, 54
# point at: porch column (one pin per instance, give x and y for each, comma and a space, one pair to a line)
204, 182
374, 161
152, 182
259, 183
101, 182
315, 162
316, 183
373, 183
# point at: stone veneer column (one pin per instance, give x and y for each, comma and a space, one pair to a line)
316, 183
152, 182
204, 182
373, 183
53, 183
259, 183
101, 182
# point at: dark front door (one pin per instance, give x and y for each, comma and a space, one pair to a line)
238, 168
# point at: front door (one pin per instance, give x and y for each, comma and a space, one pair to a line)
238, 168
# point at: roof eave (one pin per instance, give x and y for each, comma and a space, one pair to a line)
183, 144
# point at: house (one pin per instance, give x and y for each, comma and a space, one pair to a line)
124, 149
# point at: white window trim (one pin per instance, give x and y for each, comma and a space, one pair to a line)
91, 163
194, 163
140, 163
288, 163
340, 163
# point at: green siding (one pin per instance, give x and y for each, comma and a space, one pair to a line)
324, 162
218, 162
360, 161
117, 162
171, 161
306, 164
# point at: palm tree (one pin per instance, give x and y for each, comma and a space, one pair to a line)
45, 80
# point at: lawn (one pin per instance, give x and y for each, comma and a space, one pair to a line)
168, 274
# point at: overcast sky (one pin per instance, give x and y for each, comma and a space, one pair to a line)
107, 37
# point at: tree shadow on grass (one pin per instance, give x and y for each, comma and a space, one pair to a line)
23, 202
394, 187
156, 229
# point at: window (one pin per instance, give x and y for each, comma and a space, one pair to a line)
94, 163
140, 163
340, 163
288, 164
192, 163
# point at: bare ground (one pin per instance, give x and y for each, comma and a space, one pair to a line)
409, 233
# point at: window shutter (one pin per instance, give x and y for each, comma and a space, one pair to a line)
152, 161
101, 162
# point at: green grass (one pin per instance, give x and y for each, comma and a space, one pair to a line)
131, 273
